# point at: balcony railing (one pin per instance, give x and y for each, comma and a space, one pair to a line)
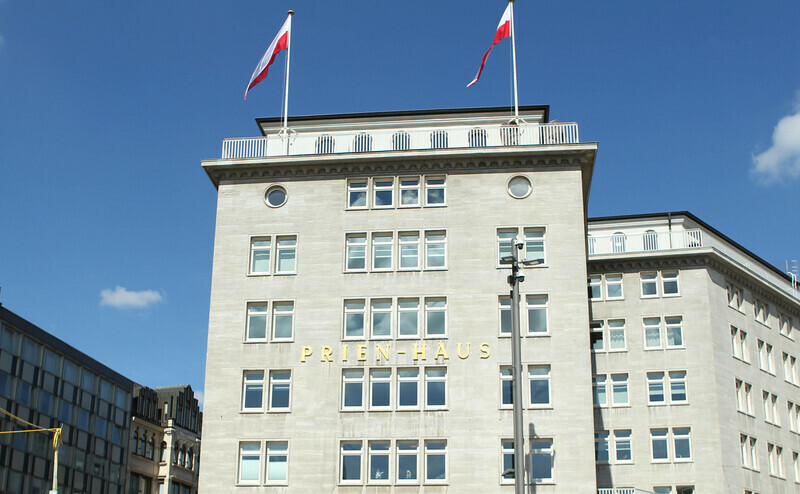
619, 243
400, 139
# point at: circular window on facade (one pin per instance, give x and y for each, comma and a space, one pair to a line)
519, 187
276, 196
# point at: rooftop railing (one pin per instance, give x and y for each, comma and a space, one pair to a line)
400, 139
620, 243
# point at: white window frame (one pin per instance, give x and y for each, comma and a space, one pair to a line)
385, 308
542, 447
277, 312
431, 452
504, 313
250, 454
612, 283
506, 452
435, 306
357, 376
378, 240
674, 378
355, 243
434, 243
535, 303
380, 380
749, 451
354, 187
407, 448
253, 379
761, 311
416, 379
612, 440
274, 451
354, 309
534, 238
540, 378
344, 453
412, 184
408, 307
735, 297
274, 251
376, 449
600, 389
649, 278
435, 182
766, 358
379, 185
739, 348
671, 436
595, 282
433, 379
744, 398
619, 382
785, 326
666, 277
254, 311
775, 455
665, 324
506, 381
408, 240
273, 383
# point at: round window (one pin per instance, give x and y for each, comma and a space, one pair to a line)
519, 187
276, 196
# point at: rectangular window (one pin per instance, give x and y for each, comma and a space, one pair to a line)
282, 321
504, 303
761, 311
506, 383
596, 287
435, 387
790, 369
622, 446
257, 321
536, 305
749, 451
379, 462
616, 335
766, 360
382, 247
674, 331
380, 384
383, 192
597, 336
771, 410
408, 388
649, 282
253, 392
534, 244
539, 383
652, 332
260, 248
739, 344
599, 385
434, 191
796, 466
381, 317
287, 253
669, 283
408, 317
507, 461
435, 249
354, 318
435, 317
785, 325
735, 298
677, 387
409, 250
407, 462
277, 462
356, 247
280, 385
435, 461
541, 460
249, 462
353, 389
409, 192
775, 454
619, 386
357, 193
682, 442
350, 460
613, 286
659, 443
533, 239
602, 447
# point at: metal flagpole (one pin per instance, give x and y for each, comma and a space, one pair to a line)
285, 130
514, 63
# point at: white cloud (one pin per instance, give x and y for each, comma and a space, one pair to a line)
121, 298
782, 160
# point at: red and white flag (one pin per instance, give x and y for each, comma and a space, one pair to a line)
281, 42
503, 31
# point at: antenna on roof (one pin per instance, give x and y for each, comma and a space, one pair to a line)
792, 271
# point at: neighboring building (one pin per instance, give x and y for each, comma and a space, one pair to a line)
111, 444
359, 321
49, 383
165, 441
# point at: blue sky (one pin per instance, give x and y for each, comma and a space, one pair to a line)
107, 109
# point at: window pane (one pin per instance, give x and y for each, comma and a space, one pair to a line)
409, 250
283, 319
408, 317
286, 254
406, 461
276, 467
436, 460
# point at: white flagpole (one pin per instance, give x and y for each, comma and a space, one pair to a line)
285, 129
514, 63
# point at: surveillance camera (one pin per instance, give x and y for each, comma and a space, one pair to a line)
520, 277
520, 244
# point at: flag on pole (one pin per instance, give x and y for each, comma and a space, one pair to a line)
281, 42
503, 31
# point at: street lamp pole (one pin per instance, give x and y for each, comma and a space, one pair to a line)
514, 279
